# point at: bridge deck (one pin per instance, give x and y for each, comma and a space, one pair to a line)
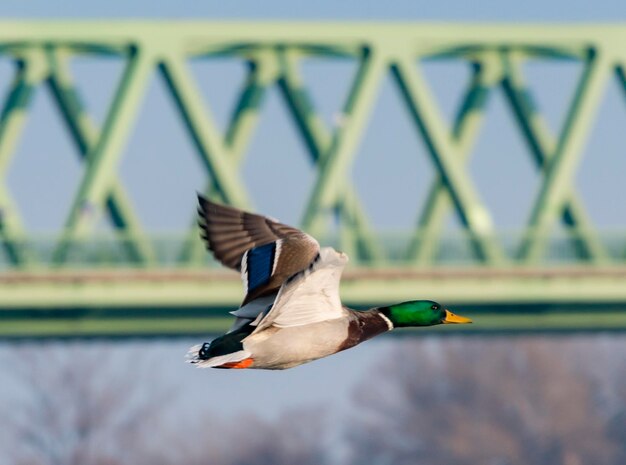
107, 303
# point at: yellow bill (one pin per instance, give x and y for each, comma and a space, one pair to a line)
452, 318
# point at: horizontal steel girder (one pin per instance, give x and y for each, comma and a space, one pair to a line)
168, 303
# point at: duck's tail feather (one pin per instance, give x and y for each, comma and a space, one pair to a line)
194, 356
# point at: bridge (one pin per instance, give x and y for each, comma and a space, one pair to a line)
79, 282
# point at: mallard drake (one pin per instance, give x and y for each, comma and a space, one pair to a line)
291, 313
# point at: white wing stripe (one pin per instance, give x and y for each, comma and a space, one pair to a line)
244, 272
279, 244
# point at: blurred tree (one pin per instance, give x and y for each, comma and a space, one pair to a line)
80, 405
494, 402
86, 404
617, 424
433, 402
296, 437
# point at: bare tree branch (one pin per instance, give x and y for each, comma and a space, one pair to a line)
468, 401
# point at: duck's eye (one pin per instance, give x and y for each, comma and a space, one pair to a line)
435, 307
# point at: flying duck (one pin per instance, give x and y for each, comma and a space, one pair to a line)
291, 313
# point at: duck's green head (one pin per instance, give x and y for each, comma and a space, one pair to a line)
420, 313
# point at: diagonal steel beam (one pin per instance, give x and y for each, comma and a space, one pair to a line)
486, 73
202, 129
444, 153
262, 72
332, 171
31, 70
620, 71
559, 172
102, 159
85, 135
318, 139
542, 145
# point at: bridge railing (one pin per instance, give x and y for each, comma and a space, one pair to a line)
170, 251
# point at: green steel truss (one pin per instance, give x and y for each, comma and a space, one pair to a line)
274, 52
41, 52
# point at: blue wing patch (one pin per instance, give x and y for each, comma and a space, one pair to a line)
259, 265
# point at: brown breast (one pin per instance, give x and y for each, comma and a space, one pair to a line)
363, 326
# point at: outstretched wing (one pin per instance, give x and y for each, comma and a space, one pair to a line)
310, 296
265, 251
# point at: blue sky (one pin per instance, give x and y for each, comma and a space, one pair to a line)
531, 10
